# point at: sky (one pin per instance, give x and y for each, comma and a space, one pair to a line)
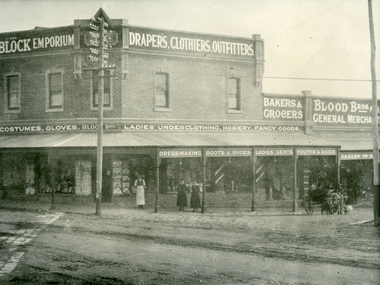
317, 45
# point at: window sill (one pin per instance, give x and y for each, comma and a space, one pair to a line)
12, 111
162, 110
54, 110
104, 108
234, 111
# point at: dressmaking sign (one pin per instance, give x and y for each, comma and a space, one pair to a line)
179, 153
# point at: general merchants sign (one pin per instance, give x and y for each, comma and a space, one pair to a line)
342, 112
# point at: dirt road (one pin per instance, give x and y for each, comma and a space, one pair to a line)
140, 247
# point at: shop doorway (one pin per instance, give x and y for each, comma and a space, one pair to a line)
107, 181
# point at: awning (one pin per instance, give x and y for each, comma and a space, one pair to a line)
160, 139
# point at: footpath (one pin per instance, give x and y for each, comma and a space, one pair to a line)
109, 209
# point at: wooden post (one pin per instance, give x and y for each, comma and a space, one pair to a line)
375, 122
204, 161
99, 157
253, 159
295, 191
158, 162
52, 166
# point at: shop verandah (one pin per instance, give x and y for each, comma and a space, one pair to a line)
261, 166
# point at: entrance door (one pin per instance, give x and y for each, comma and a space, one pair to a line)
107, 181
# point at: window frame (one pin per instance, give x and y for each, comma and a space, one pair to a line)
92, 97
238, 109
7, 109
155, 93
49, 107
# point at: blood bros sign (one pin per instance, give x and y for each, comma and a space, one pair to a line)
324, 111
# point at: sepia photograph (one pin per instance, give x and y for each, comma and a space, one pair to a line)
178, 142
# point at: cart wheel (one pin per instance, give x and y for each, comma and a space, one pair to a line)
309, 206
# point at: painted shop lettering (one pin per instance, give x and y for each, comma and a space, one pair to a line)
282, 114
160, 41
26, 45
281, 102
20, 129
62, 128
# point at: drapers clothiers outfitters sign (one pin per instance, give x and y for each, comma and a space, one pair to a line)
39, 40
342, 112
283, 109
202, 44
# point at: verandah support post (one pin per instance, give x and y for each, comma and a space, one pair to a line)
253, 159
204, 161
158, 163
338, 162
295, 191
53, 169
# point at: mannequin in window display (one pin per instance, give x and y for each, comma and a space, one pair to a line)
195, 200
181, 198
140, 191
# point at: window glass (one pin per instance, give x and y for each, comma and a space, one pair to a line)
13, 91
55, 90
234, 93
161, 90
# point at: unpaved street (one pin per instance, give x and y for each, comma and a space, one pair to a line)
139, 247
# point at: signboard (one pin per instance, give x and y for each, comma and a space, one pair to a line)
38, 40
10, 129
356, 155
270, 151
316, 151
160, 40
283, 109
342, 112
179, 153
228, 152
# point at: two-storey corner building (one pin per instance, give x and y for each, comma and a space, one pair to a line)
177, 105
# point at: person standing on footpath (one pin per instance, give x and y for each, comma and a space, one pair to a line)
140, 192
195, 200
181, 198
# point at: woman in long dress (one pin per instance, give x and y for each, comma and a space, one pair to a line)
181, 198
195, 200
140, 192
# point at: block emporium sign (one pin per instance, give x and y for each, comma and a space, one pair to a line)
54, 128
36, 40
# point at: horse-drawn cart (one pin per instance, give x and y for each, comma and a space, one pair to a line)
331, 200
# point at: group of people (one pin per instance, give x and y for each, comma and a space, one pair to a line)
195, 199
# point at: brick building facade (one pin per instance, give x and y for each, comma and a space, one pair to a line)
176, 105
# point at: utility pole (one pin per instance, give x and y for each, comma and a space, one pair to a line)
100, 39
375, 122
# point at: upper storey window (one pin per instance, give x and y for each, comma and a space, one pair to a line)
234, 94
54, 90
107, 90
12, 93
161, 91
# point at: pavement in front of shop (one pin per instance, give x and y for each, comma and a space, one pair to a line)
108, 209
